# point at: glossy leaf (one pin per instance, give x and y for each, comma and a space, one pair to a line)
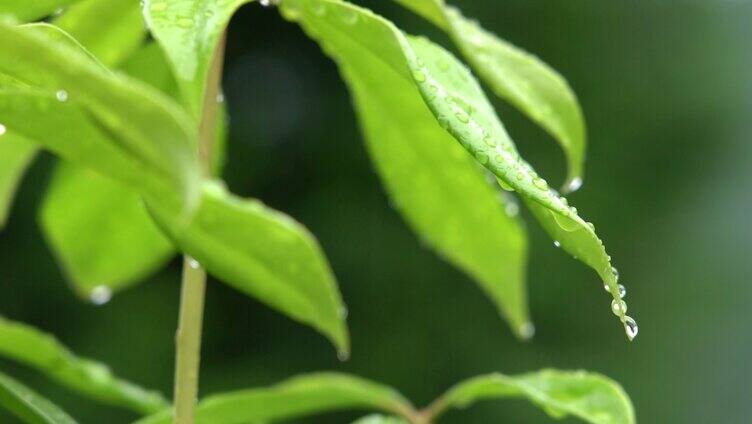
143, 121
188, 31
101, 232
42, 352
263, 253
440, 190
111, 30
590, 397
16, 154
32, 10
294, 398
457, 103
520, 78
28, 406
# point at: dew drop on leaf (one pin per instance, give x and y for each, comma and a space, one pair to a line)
622, 291
193, 263
540, 183
100, 295
630, 326
618, 307
61, 95
2, 129
527, 330
574, 185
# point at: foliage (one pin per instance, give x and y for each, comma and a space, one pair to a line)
128, 117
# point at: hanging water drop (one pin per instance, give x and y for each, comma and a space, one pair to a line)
615, 272
269, 3
618, 307
622, 291
574, 185
505, 186
557, 244
100, 295
527, 330
343, 356
630, 326
61, 95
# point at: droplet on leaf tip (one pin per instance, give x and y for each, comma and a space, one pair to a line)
630, 327
100, 295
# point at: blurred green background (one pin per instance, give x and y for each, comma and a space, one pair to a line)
666, 91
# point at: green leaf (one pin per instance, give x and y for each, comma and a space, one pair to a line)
379, 419
143, 121
440, 190
111, 30
589, 396
188, 31
41, 351
101, 232
294, 398
262, 253
457, 103
31, 10
16, 154
28, 406
520, 78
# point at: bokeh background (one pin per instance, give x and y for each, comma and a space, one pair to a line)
666, 91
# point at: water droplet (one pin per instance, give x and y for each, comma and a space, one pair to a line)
184, 22
618, 307
343, 356
3, 130
100, 295
462, 116
540, 183
630, 326
615, 272
220, 98
564, 222
557, 243
193, 263
574, 184
527, 330
622, 291
419, 76
159, 6
269, 3
505, 186
490, 141
61, 95
607, 288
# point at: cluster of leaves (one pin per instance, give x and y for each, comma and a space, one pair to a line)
124, 114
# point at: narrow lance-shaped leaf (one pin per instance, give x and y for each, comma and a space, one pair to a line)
188, 31
41, 351
442, 192
590, 397
28, 406
522, 79
142, 120
100, 231
460, 106
98, 228
263, 253
295, 398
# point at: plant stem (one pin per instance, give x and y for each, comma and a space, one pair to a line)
188, 337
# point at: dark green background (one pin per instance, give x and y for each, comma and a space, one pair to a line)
666, 91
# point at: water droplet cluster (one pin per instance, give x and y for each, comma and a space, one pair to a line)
619, 307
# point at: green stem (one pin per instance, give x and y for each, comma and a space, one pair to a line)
188, 338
